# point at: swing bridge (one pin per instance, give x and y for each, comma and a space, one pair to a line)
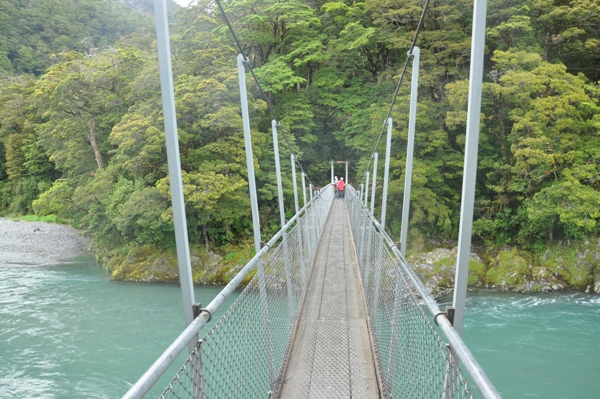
333, 309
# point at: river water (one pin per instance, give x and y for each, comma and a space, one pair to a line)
66, 331
537, 346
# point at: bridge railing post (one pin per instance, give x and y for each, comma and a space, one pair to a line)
374, 185
410, 148
386, 172
295, 186
174, 165
470, 165
367, 189
294, 182
241, 60
284, 238
304, 189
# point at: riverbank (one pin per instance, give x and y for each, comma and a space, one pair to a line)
39, 243
565, 265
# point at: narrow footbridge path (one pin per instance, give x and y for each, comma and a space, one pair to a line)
331, 354
333, 311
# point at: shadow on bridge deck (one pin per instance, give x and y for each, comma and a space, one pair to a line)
331, 356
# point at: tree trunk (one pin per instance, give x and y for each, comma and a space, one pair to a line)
94, 144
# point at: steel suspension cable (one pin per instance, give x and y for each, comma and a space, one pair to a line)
260, 89
412, 46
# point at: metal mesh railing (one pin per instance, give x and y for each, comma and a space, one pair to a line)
414, 361
243, 355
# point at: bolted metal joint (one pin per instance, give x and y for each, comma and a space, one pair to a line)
196, 309
449, 313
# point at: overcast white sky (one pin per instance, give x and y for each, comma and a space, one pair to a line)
183, 2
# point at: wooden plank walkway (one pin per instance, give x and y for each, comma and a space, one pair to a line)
331, 356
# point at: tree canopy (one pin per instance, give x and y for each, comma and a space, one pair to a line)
81, 128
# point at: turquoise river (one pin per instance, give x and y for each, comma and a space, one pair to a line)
67, 331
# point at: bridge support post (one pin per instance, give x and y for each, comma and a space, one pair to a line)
470, 167
346, 178
301, 227
255, 215
374, 184
284, 239
410, 149
304, 189
295, 182
331, 171
174, 166
367, 190
249, 155
386, 173
274, 125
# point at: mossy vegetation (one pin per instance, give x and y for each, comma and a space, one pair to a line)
566, 265
150, 264
509, 268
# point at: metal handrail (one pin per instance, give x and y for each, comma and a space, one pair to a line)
457, 345
160, 366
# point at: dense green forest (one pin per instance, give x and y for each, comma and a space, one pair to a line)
82, 132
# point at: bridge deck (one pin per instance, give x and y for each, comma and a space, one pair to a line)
331, 356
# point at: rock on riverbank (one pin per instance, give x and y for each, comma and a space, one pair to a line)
563, 266
38, 243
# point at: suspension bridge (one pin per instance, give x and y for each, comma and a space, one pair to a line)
333, 310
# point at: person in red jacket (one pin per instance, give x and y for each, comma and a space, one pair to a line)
340, 187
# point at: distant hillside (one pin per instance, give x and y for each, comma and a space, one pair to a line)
34, 30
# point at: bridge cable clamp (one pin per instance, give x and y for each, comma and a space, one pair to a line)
197, 310
449, 313
436, 316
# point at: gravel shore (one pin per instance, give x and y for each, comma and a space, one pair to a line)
38, 243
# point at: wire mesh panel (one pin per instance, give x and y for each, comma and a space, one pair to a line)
412, 357
243, 355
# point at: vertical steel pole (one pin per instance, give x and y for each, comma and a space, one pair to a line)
304, 188
300, 222
293, 159
374, 184
249, 155
386, 173
284, 239
410, 149
310, 189
470, 167
346, 178
331, 171
362, 186
274, 125
254, 208
367, 190
172, 142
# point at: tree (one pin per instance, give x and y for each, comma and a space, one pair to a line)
81, 99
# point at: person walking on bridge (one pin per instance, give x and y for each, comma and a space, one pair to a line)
335, 183
340, 188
